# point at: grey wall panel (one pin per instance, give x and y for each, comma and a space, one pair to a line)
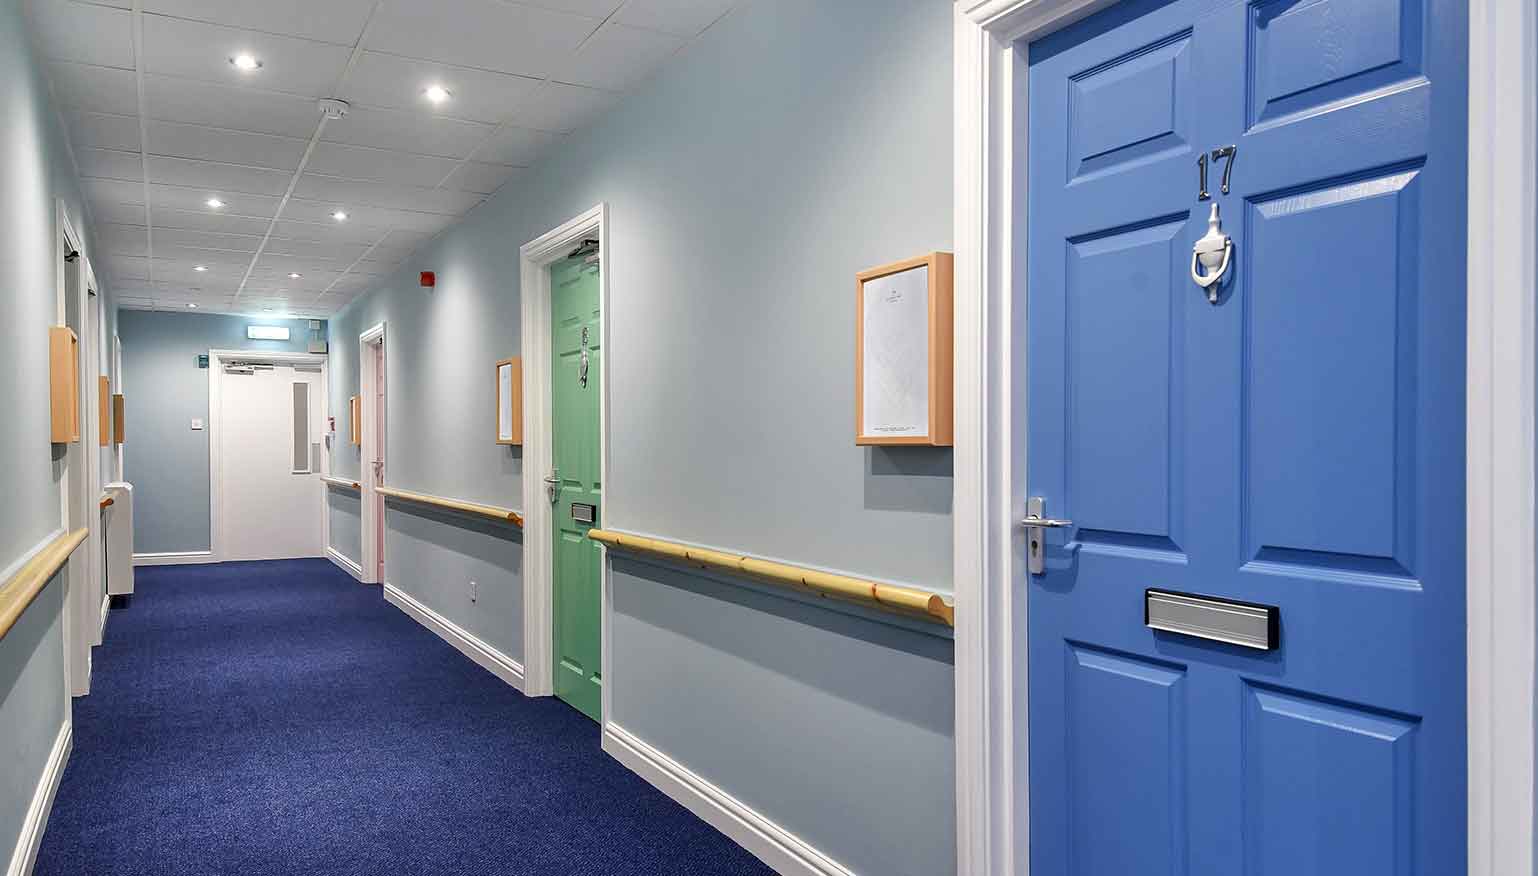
164, 458
839, 729
344, 509
34, 705
434, 557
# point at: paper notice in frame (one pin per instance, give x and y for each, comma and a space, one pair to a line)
895, 365
505, 402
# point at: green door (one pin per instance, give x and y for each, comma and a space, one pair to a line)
577, 603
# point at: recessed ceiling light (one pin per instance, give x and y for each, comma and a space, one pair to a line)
437, 93
191, 305
215, 203
340, 215
294, 275
200, 268
246, 62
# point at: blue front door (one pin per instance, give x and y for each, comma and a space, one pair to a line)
1296, 442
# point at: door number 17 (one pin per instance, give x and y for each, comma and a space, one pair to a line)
1227, 152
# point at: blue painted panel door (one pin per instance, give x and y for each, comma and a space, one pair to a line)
1299, 443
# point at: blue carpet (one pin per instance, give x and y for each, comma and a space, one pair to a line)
280, 718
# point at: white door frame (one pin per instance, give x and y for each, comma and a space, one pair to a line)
371, 343
992, 808
94, 317
535, 258
72, 476
216, 361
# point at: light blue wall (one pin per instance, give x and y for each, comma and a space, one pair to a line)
797, 143
163, 457
35, 170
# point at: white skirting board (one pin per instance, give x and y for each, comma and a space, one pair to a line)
174, 558
31, 838
101, 629
490, 659
346, 564
788, 854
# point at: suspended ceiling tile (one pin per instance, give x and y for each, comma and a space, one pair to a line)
391, 81
112, 191
334, 21
103, 130
685, 18
93, 88
563, 108
618, 57
310, 249
219, 144
516, 146
195, 198
237, 109
83, 32
234, 179
414, 132
208, 220
599, 9
127, 240
379, 165
110, 164
197, 50
325, 188
220, 263
489, 34
114, 211
474, 176
242, 243
319, 211
124, 267
327, 231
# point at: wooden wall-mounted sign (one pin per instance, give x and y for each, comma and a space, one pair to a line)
103, 411
355, 412
119, 429
510, 401
63, 385
903, 386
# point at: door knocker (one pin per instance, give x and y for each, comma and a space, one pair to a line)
1214, 251
582, 363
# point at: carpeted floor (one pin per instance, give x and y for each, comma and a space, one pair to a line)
280, 718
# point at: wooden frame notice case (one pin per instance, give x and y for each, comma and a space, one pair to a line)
63, 385
510, 401
355, 414
903, 384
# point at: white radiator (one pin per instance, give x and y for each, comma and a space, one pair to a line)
118, 523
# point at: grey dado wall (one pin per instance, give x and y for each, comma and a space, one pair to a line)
795, 144
344, 510
35, 175
164, 458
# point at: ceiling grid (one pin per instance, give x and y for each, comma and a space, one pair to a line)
215, 185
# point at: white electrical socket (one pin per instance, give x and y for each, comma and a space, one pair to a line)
474, 591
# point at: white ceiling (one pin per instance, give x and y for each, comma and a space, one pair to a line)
160, 121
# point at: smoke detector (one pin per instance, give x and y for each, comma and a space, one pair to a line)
333, 109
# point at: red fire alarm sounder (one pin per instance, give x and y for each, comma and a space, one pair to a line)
429, 279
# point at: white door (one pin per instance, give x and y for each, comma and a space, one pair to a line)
269, 431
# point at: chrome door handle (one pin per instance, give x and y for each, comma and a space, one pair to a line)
553, 484
1035, 525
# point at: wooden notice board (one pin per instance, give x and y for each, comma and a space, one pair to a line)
510, 401
903, 386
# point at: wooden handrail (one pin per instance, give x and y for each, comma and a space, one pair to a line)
505, 515
26, 584
341, 483
896, 598
106, 502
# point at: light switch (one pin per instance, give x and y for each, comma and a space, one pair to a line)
197, 424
